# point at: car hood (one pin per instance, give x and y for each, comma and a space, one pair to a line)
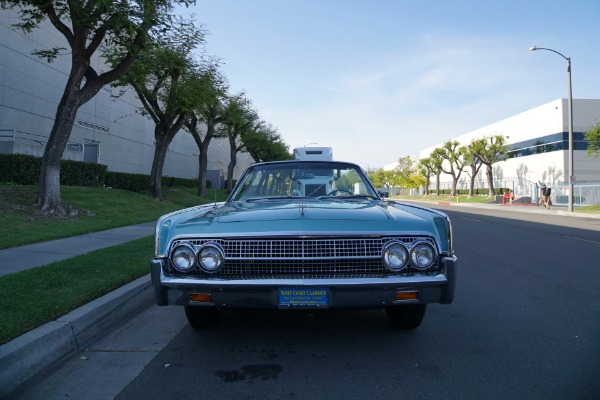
321, 211
298, 218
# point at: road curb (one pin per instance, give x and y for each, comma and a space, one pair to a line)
35, 351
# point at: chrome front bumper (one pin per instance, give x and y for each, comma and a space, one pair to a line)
343, 292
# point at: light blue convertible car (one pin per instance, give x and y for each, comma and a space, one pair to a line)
304, 234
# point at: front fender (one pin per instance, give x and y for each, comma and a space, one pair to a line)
160, 293
449, 288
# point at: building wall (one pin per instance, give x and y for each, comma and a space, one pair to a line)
549, 167
108, 130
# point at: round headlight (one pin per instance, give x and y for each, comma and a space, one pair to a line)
395, 256
210, 257
183, 256
422, 255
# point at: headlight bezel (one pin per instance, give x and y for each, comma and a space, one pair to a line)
190, 250
416, 253
393, 249
217, 255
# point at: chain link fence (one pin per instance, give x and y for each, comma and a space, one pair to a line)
584, 194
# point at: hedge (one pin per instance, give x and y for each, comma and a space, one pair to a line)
25, 170
19, 168
131, 182
140, 182
476, 191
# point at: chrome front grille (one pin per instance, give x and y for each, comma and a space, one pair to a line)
325, 258
323, 249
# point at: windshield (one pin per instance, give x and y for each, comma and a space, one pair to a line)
302, 179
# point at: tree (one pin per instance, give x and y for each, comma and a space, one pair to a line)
416, 181
238, 118
209, 111
165, 80
490, 150
426, 168
122, 26
593, 138
277, 150
406, 173
473, 162
453, 153
404, 170
264, 143
381, 178
437, 160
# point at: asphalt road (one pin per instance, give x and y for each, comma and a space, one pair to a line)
524, 325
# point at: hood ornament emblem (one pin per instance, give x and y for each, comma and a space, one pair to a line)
302, 208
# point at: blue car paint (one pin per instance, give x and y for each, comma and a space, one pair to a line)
314, 217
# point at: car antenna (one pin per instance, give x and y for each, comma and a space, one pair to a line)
215, 206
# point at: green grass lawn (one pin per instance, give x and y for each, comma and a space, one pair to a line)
92, 210
594, 209
31, 298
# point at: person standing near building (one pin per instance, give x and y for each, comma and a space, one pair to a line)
545, 196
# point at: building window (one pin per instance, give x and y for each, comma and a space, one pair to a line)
546, 144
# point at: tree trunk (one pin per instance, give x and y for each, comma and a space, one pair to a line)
472, 185
192, 126
48, 197
232, 161
163, 138
437, 185
474, 172
490, 178
203, 157
427, 185
202, 168
158, 163
454, 183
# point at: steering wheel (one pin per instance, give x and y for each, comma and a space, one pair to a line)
335, 192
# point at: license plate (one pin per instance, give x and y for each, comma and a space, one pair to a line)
302, 297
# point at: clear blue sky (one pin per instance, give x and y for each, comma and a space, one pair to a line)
381, 79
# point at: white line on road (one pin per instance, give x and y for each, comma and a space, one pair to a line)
584, 240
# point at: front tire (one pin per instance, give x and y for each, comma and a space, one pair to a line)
202, 317
407, 316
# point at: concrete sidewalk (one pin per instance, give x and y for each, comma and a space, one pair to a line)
18, 259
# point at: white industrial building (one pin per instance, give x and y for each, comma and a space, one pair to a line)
538, 142
108, 130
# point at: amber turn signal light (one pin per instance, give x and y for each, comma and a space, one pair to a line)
201, 297
406, 296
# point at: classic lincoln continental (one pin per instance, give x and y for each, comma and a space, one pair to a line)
304, 234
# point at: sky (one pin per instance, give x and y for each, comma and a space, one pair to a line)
378, 80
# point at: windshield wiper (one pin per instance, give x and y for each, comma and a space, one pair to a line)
349, 197
255, 199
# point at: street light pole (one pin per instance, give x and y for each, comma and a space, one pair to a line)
570, 105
